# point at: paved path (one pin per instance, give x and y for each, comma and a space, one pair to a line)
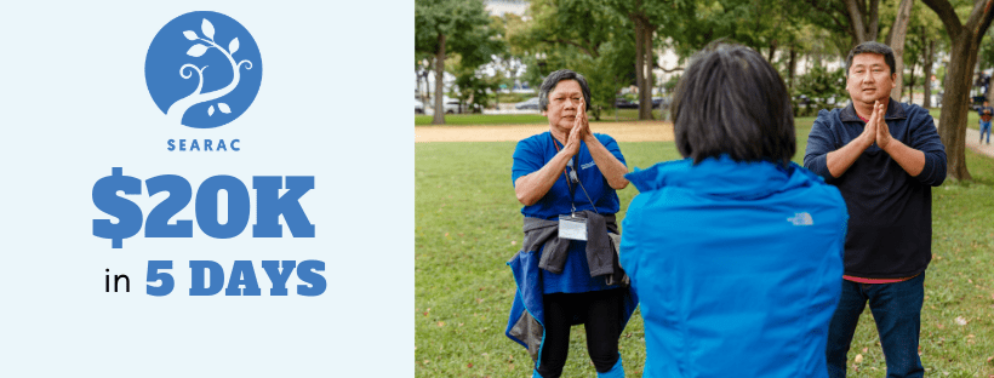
972, 138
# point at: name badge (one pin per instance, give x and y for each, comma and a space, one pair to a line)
572, 228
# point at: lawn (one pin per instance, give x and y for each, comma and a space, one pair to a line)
468, 224
972, 118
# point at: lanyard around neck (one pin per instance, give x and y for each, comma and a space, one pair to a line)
579, 182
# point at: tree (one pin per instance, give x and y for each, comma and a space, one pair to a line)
895, 38
583, 35
965, 40
646, 17
452, 26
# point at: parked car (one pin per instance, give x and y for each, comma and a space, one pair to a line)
531, 103
660, 101
452, 107
623, 103
419, 108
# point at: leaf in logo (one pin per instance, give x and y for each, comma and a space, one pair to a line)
208, 29
196, 50
224, 108
190, 34
210, 110
233, 46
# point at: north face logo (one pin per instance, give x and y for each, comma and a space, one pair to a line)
801, 219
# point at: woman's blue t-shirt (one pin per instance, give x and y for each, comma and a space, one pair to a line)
532, 154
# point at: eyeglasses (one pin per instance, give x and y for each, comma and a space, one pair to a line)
572, 172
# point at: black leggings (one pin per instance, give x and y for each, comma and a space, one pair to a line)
601, 313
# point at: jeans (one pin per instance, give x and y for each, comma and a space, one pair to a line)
985, 127
896, 309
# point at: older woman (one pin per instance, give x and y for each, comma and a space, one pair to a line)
735, 251
567, 271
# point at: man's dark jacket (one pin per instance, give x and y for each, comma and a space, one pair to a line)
890, 212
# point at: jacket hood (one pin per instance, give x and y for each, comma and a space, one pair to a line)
722, 177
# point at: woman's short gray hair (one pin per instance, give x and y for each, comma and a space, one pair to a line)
553, 79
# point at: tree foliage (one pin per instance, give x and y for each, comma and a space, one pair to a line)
965, 38
462, 27
585, 36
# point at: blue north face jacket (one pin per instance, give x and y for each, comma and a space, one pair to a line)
737, 266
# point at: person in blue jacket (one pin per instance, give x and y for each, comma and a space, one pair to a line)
735, 252
567, 271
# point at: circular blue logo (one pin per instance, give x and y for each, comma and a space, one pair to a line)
203, 69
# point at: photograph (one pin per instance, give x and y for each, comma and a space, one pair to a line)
706, 188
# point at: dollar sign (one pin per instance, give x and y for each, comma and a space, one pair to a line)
128, 214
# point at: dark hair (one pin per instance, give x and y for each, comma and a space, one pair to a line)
732, 101
553, 79
872, 47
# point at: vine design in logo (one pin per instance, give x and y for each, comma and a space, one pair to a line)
177, 74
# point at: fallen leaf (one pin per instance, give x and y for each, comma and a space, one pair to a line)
865, 349
469, 365
940, 326
961, 320
858, 359
514, 242
479, 300
441, 324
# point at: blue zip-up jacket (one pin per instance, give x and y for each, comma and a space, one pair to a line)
737, 266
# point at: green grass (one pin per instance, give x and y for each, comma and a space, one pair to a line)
623, 115
468, 224
972, 118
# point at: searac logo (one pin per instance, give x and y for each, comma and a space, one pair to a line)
203, 70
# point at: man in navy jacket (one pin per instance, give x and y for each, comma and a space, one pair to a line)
884, 156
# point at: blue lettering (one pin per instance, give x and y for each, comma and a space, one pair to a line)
172, 145
195, 146
270, 205
182, 144
197, 269
220, 145
278, 278
232, 144
251, 284
306, 271
238, 207
207, 145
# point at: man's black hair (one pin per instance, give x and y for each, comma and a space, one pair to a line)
732, 101
553, 79
872, 47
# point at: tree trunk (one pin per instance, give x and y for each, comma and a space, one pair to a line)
645, 87
898, 33
439, 117
773, 51
911, 85
956, 102
865, 24
791, 67
929, 53
639, 57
